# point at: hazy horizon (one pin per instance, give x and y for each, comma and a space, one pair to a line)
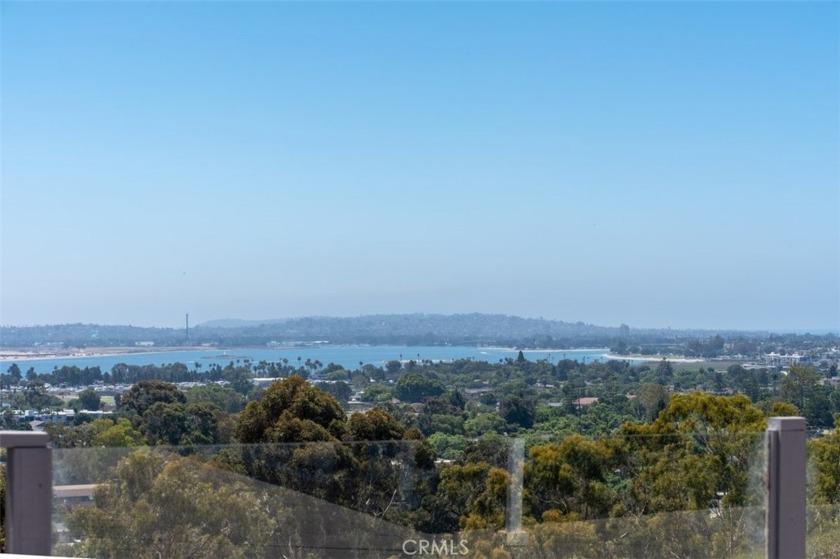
656, 164
202, 323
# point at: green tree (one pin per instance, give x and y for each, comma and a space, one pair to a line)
374, 425
89, 399
360, 472
225, 397
710, 440
14, 374
154, 507
440, 423
476, 494
653, 398
782, 409
193, 424
818, 409
146, 393
119, 434
518, 411
484, 423
338, 389
448, 447
798, 385
97, 433
570, 478
164, 424
825, 453
291, 410
664, 372
376, 393
414, 387
35, 395
491, 448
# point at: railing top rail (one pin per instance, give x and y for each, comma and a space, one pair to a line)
786, 424
23, 439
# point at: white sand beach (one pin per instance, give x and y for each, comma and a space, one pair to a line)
653, 358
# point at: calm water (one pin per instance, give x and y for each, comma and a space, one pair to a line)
348, 357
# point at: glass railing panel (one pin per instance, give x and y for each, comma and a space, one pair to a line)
678, 494
673, 495
823, 495
319, 499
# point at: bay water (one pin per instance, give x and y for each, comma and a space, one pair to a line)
348, 356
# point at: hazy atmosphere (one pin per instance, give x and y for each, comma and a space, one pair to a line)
658, 164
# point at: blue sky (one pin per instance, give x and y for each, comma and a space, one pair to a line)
659, 164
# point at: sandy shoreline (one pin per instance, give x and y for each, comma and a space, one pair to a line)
7, 355
653, 358
577, 349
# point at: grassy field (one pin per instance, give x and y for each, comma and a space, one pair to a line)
107, 401
716, 365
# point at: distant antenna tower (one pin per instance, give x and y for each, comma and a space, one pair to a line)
188, 326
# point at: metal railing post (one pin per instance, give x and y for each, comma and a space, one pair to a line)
785, 482
28, 492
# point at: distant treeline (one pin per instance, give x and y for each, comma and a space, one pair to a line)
121, 373
403, 329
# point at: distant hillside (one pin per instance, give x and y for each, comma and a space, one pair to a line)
239, 323
457, 327
397, 329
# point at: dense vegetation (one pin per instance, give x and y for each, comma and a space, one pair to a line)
665, 462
